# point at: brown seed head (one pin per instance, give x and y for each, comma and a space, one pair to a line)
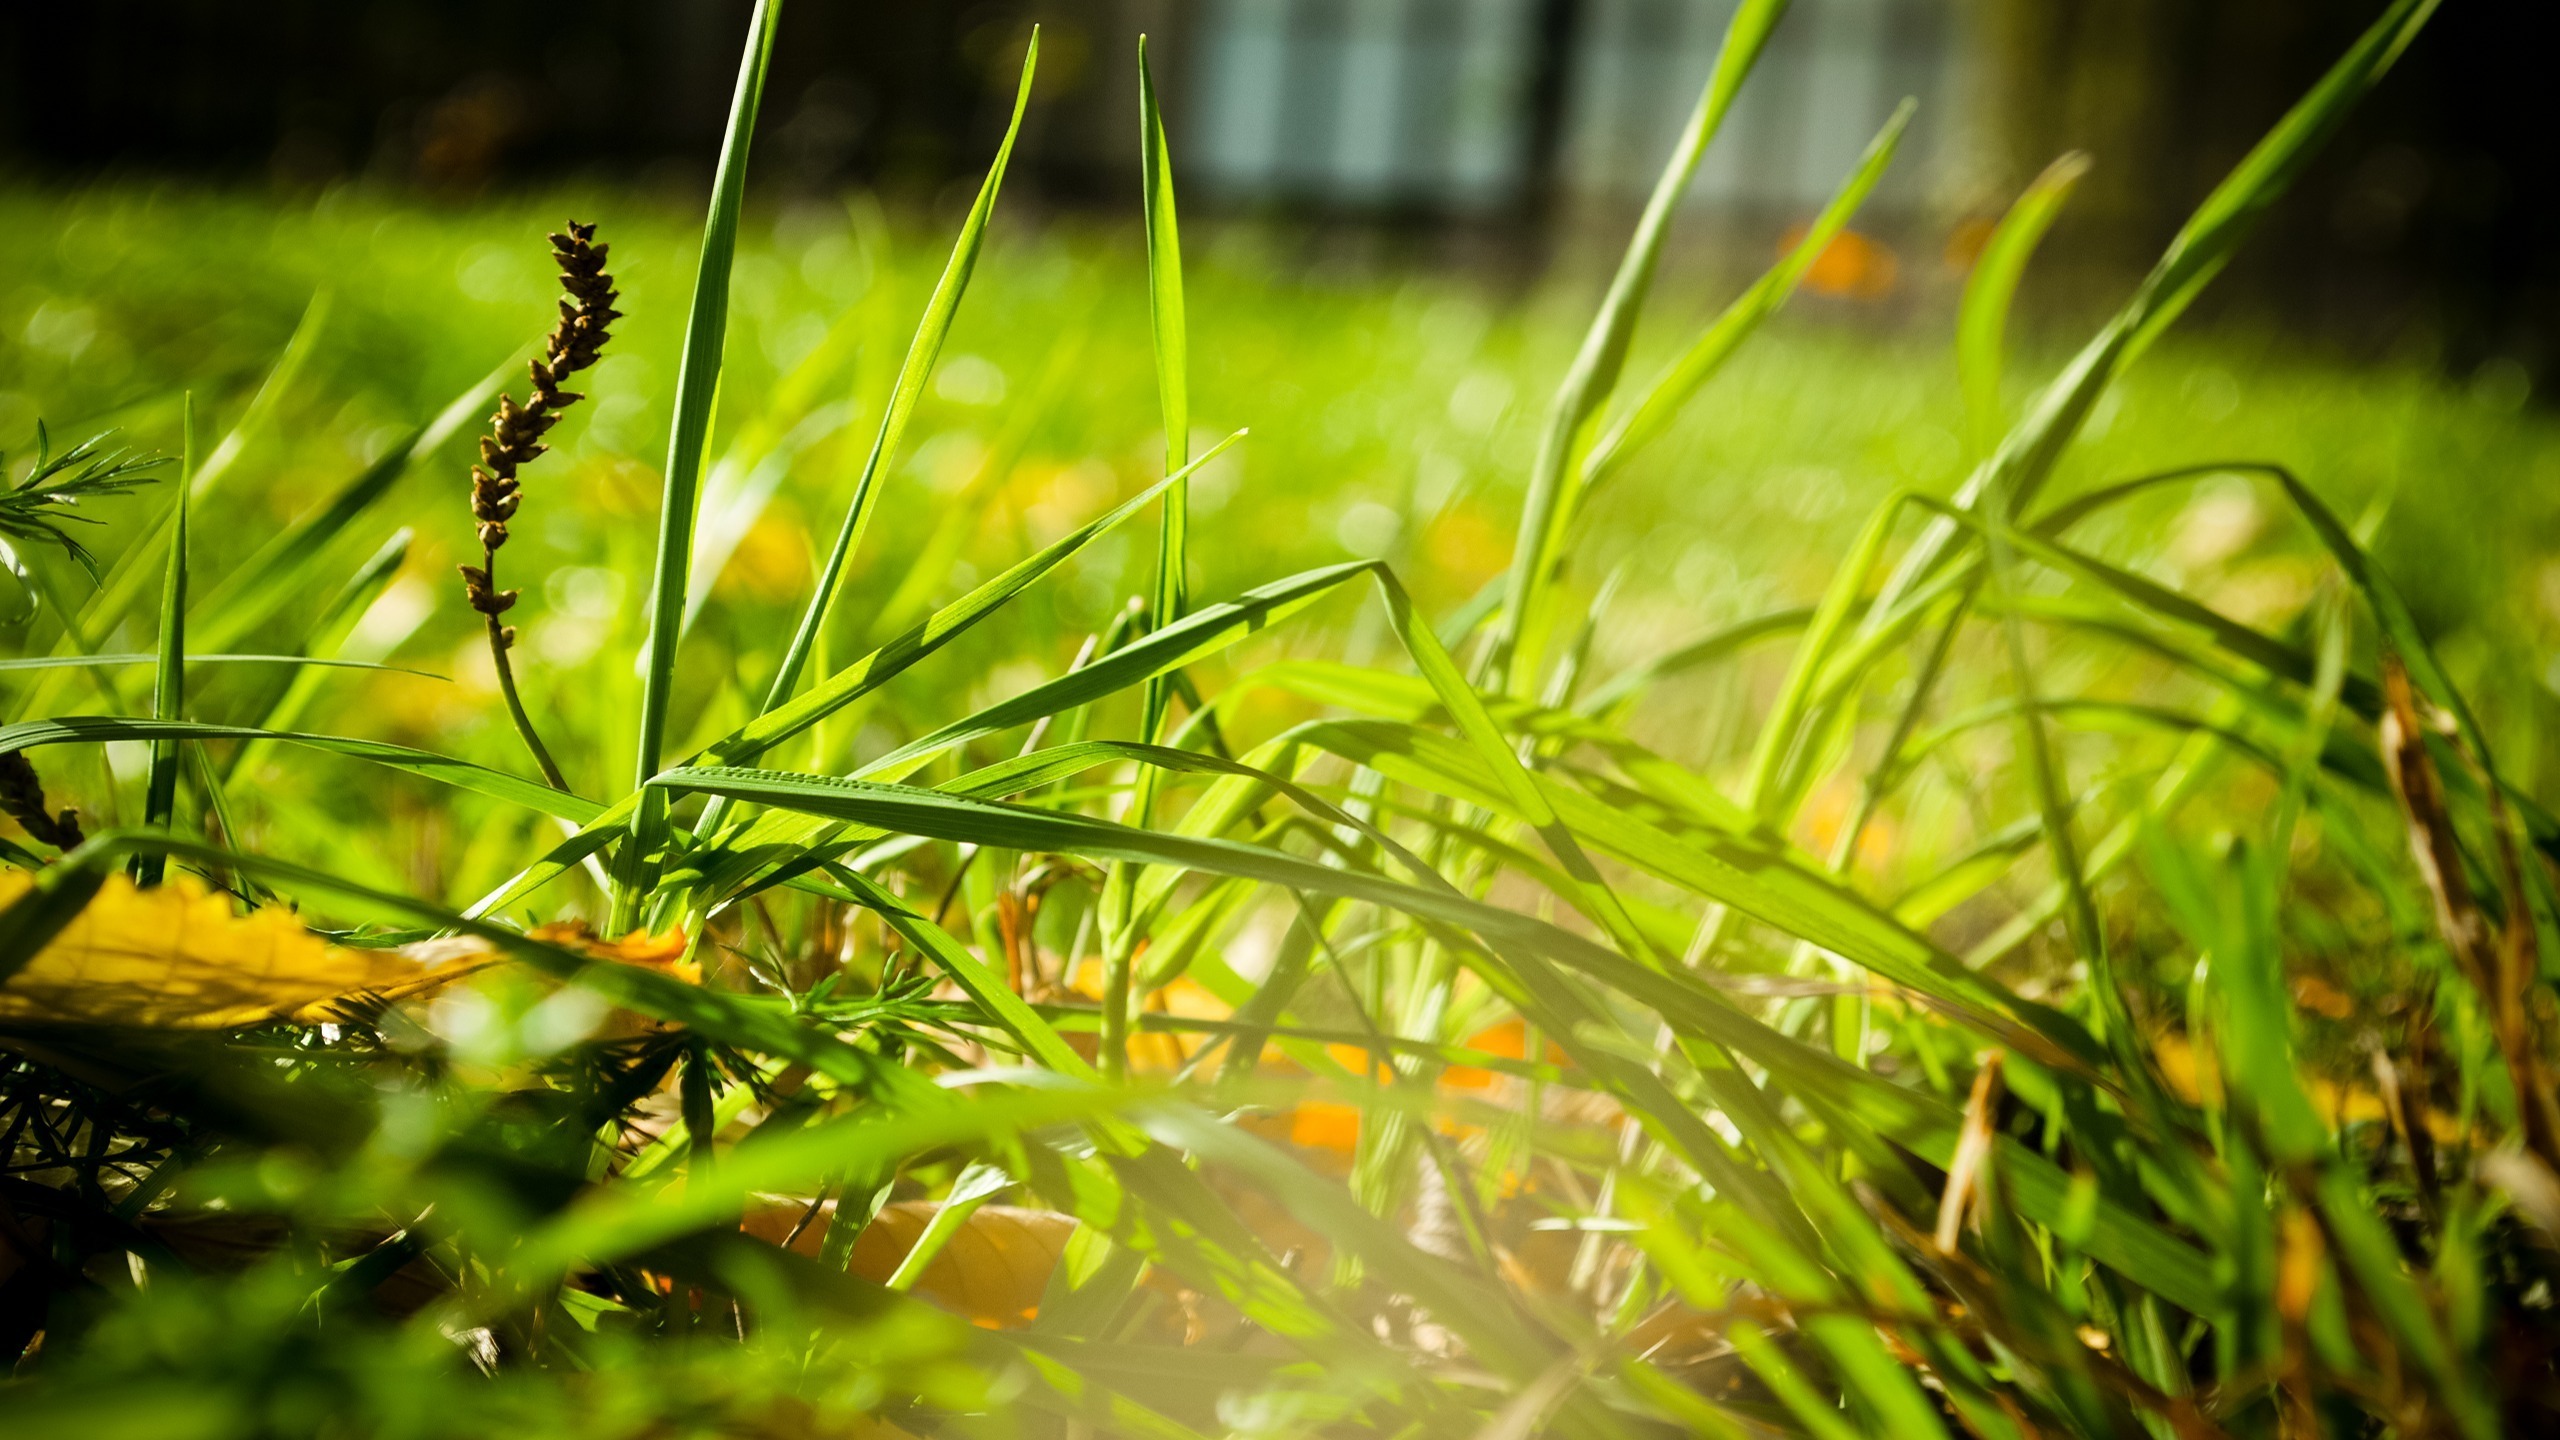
515, 432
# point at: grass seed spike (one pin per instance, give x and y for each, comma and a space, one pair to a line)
515, 441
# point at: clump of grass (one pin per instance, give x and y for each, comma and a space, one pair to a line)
515, 441
2027, 1035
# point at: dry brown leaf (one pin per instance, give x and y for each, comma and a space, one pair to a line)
177, 957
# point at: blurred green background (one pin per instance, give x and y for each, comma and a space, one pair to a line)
1393, 409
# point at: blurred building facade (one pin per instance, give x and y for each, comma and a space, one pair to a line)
1506, 117
1474, 107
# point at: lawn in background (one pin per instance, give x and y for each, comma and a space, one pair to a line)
1392, 412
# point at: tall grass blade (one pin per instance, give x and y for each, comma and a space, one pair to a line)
1650, 416
1555, 475
1171, 331
1982, 321
169, 687
2014, 475
697, 394
1171, 598
931, 331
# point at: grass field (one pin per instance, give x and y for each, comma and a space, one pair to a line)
1867, 885
1392, 415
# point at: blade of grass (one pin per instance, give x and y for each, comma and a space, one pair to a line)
1171, 599
697, 393
841, 689
1645, 421
1555, 475
479, 779
287, 661
1171, 334
1982, 321
2025, 461
169, 687
932, 329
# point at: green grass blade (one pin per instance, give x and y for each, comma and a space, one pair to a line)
1171, 332
867, 674
2012, 477
931, 331
1555, 476
1927, 1126
463, 774
169, 686
1661, 405
127, 578
922, 351
52, 662
1983, 320
1626, 686
846, 686
263, 584
697, 394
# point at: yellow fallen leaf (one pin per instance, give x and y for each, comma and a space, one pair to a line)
992, 1270
178, 957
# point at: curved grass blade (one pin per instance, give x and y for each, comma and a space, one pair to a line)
1653, 414
1929, 1127
2025, 460
1982, 321
1171, 332
931, 331
73, 662
841, 689
1555, 476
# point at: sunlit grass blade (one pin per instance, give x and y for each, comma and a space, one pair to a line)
169, 683
931, 331
697, 394
1982, 321
1171, 331
846, 686
1930, 1128
2014, 475
289, 662
463, 774
922, 351
260, 586
1555, 476
1660, 405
